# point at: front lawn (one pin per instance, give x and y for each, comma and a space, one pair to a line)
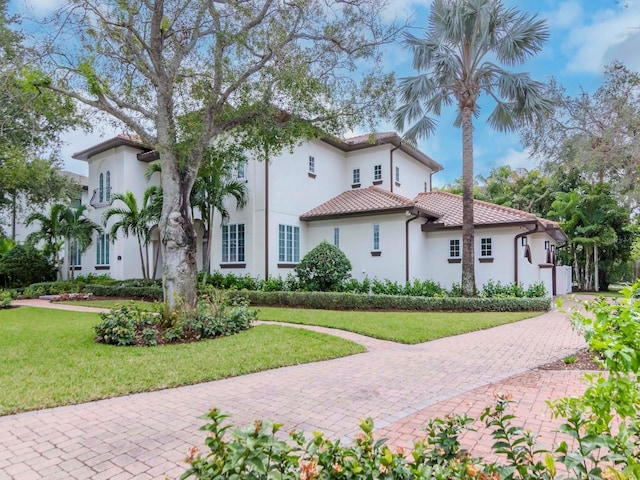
404, 327
49, 358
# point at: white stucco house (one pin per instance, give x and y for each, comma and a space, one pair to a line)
369, 195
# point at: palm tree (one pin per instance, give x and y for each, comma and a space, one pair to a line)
51, 232
78, 231
213, 186
456, 58
132, 220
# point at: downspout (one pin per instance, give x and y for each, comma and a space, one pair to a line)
515, 251
431, 181
406, 245
391, 165
266, 217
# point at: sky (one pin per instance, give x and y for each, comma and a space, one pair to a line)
584, 37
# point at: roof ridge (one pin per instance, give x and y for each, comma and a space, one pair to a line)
487, 204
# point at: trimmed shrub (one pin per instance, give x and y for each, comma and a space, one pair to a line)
510, 290
53, 288
323, 269
121, 325
124, 291
349, 301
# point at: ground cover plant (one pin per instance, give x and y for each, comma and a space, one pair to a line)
110, 303
403, 327
49, 358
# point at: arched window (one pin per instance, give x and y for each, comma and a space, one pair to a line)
101, 189
108, 186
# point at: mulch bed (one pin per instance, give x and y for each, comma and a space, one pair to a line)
585, 360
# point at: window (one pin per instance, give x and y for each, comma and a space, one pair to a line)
398, 174
426, 187
102, 252
376, 237
241, 171
454, 248
356, 176
108, 192
75, 253
233, 243
485, 247
288, 244
312, 164
336, 237
377, 173
101, 189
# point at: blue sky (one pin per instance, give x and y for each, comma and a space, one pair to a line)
584, 37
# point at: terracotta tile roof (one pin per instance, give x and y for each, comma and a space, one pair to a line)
361, 200
447, 207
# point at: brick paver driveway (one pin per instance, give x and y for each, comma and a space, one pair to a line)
147, 435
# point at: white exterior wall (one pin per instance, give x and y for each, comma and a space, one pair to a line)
413, 175
356, 241
366, 160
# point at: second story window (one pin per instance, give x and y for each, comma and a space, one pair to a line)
377, 173
101, 189
355, 180
426, 187
108, 189
336, 237
312, 164
241, 171
397, 174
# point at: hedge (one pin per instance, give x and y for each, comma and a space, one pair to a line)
127, 291
351, 301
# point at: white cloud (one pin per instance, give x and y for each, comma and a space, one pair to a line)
39, 7
612, 34
516, 159
567, 15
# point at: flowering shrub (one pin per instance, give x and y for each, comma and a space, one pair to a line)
74, 296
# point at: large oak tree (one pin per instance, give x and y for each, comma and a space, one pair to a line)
182, 73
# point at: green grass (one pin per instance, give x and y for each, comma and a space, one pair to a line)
108, 303
404, 327
49, 358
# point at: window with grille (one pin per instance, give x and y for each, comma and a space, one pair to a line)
454, 248
377, 173
233, 250
288, 244
485, 247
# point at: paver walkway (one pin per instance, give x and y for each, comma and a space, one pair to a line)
147, 435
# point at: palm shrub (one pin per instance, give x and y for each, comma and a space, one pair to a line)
324, 268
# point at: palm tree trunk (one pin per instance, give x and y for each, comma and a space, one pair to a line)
207, 257
144, 270
156, 254
468, 256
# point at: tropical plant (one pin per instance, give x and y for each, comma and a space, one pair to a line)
134, 220
78, 231
213, 186
52, 232
458, 55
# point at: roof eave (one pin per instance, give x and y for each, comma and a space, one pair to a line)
361, 213
108, 145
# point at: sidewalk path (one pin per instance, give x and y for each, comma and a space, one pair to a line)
147, 435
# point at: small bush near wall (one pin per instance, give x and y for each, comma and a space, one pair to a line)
323, 269
349, 301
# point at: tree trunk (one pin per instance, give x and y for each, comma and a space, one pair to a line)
596, 280
142, 265
177, 233
207, 257
13, 216
468, 256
